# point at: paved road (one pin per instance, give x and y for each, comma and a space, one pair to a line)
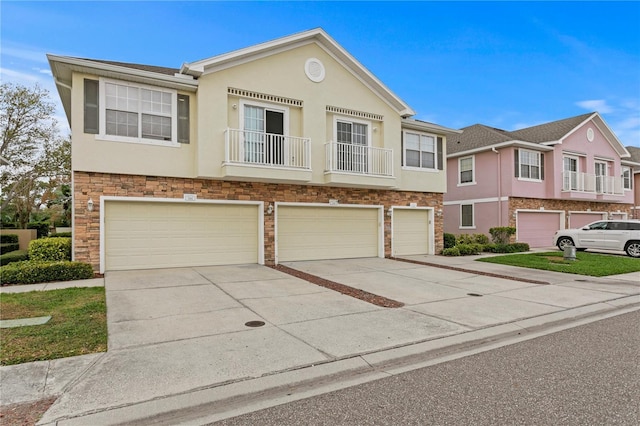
588, 375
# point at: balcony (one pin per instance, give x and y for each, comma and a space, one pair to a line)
251, 155
358, 165
589, 186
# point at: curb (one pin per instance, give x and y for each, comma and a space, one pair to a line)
228, 400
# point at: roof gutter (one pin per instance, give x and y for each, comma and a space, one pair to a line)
519, 144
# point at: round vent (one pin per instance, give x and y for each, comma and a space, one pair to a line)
590, 134
314, 70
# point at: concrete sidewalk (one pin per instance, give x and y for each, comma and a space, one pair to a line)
177, 338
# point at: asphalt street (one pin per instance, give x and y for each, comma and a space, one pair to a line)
588, 375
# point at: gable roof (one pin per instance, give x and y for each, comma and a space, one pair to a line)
317, 36
479, 137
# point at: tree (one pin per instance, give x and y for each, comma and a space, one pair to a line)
38, 157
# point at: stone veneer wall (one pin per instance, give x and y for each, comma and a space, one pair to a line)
564, 205
93, 185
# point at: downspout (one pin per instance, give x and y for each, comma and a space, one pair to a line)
499, 186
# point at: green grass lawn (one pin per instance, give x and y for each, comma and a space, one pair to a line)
595, 265
78, 324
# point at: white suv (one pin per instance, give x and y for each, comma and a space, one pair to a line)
603, 234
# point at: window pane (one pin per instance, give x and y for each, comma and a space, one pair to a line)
466, 164
156, 127
412, 141
466, 177
467, 215
428, 160
121, 123
535, 172
359, 134
413, 158
427, 143
343, 132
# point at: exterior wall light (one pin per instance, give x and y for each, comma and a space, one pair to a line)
90, 205
270, 209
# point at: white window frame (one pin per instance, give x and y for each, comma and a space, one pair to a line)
627, 170
351, 120
473, 216
539, 156
435, 152
577, 171
473, 170
102, 134
266, 106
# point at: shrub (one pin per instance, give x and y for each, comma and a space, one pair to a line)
50, 249
502, 234
452, 251
14, 256
8, 238
9, 247
469, 249
33, 272
520, 247
61, 235
42, 228
472, 239
449, 240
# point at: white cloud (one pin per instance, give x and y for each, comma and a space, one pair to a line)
16, 76
46, 71
23, 53
599, 105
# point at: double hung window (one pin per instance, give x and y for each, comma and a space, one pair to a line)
529, 164
626, 178
466, 168
466, 216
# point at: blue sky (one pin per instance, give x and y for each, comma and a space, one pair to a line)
503, 64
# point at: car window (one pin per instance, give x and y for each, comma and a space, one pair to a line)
633, 226
617, 226
598, 225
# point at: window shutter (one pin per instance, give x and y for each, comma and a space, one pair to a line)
516, 156
183, 118
91, 111
440, 154
542, 166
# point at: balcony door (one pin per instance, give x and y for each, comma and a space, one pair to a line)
352, 146
264, 135
570, 182
601, 173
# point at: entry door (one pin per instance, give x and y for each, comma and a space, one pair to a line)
264, 135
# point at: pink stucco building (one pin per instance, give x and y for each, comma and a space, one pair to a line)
562, 174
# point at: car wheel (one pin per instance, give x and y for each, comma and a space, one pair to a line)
564, 242
633, 248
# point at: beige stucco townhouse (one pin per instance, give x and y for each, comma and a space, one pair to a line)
288, 150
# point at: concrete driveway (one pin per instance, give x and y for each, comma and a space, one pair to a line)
175, 331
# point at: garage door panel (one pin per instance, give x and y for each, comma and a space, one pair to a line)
578, 220
410, 232
313, 233
150, 235
537, 228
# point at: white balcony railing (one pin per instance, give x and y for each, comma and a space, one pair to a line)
358, 159
584, 182
267, 149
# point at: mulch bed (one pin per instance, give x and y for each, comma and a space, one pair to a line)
341, 288
25, 414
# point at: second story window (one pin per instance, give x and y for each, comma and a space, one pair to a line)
422, 151
467, 172
626, 178
529, 164
127, 112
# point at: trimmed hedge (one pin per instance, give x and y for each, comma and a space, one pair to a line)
8, 238
33, 272
50, 249
61, 235
14, 256
451, 251
42, 228
502, 234
9, 247
506, 248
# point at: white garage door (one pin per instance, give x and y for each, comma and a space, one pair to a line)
537, 228
410, 232
578, 220
315, 233
142, 235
